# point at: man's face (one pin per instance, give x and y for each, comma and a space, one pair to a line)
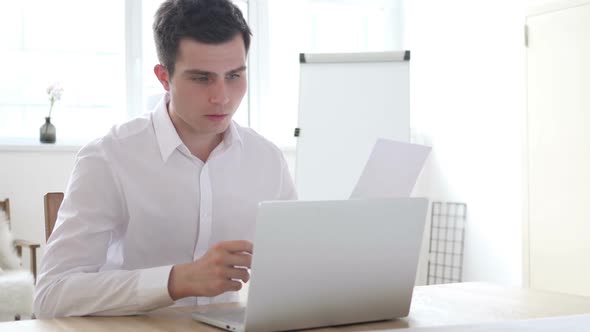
208, 85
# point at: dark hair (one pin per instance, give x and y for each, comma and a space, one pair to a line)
206, 21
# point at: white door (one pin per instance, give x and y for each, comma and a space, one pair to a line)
558, 88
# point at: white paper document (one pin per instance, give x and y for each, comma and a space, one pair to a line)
576, 323
392, 170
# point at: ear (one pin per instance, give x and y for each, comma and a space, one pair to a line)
162, 75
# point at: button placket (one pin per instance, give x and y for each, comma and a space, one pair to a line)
205, 213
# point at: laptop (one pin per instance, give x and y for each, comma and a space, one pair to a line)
325, 263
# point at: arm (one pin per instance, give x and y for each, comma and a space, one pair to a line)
287, 191
73, 280
93, 217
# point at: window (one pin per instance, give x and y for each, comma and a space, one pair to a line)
103, 53
67, 41
105, 65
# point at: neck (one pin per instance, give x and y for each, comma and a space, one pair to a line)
200, 145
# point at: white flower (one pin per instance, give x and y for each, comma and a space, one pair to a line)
54, 91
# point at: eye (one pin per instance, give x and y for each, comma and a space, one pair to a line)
201, 79
233, 76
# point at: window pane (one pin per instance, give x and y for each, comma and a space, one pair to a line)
63, 41
152, 89
351, 26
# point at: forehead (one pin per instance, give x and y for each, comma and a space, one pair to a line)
211, 57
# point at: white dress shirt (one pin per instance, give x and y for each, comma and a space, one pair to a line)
138, 202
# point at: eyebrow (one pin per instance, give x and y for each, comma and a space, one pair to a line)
204, 72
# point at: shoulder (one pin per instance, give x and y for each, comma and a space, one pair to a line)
254, 142
123, 135
134, 131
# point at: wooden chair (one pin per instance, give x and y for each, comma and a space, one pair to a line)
52, 202
20, 244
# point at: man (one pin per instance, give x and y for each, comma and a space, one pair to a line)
163, 207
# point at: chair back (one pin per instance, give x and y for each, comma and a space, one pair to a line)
19, 244
52, 202
5, 206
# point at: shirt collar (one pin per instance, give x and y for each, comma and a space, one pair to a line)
232, 135
168, 138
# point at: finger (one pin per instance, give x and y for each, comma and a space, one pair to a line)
238, 274
231, 285
239, 259
236, 246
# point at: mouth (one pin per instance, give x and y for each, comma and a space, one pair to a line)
216, 117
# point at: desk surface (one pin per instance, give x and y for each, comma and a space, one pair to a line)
451, 304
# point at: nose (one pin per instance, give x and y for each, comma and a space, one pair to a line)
218, 93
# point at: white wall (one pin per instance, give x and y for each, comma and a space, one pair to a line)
26, 174
467, 100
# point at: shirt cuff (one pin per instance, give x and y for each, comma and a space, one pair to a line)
152, 288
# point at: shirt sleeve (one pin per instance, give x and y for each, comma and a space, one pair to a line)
73, 279
288, 191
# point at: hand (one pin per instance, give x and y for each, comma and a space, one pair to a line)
218, 271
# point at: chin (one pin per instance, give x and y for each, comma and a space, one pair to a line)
219, 128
